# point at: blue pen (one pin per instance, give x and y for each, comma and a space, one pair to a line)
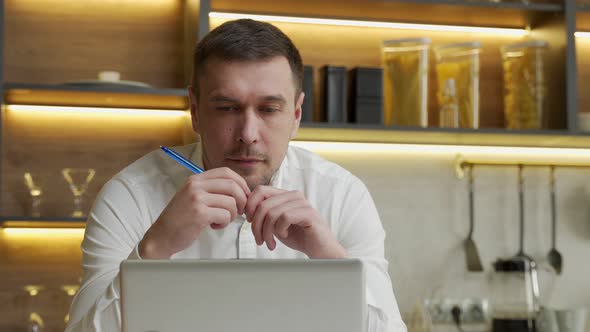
182, 160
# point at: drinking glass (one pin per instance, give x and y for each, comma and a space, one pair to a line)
35, 192
34, 320
70, 291
78, 180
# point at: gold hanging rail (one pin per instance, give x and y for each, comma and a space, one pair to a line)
462, 163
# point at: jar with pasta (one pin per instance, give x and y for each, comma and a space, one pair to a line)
459, 63
524, 84
405, 81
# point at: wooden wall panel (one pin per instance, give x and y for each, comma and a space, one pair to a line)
380, 10
47, 259
583, 21
56, 41
583, 57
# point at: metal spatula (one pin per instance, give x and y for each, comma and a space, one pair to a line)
471, 252
554, 256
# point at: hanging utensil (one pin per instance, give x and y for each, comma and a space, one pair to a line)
471, 252
520, 252
554, 257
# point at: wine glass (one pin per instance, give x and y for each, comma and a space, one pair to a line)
70, 290
35, 191
78, 180
34, 320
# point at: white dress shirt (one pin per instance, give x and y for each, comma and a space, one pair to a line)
132, 200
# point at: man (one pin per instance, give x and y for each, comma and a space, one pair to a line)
258, 198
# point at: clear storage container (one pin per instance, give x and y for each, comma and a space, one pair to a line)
524, 84
405, 81
515, 295
458, 65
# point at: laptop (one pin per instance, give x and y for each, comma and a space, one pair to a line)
243, 295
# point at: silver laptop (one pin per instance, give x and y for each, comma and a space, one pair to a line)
243, 295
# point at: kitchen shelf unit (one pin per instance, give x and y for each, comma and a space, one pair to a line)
45, 45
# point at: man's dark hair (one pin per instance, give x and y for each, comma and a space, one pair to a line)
246, 40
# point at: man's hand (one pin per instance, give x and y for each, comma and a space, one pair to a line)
213, 198
289, 216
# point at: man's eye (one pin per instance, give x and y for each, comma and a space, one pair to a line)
270, 109
226, 108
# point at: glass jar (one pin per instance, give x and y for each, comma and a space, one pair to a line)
405, 81
524, 84
458, 65
515, 295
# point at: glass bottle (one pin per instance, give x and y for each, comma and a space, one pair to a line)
460, 62
449, 110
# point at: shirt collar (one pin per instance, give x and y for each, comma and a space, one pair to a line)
197, 155
278, 178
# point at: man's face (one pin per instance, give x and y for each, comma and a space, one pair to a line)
246, 115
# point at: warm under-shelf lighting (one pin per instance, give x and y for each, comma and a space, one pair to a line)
476, 153
582, 34
370, 24
101, 110
30, 233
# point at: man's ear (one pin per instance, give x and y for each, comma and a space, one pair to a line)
297, 115
193, 105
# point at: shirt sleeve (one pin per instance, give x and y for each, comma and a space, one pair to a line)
113, 231
362, 235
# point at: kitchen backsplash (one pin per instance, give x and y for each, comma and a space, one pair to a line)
424, 209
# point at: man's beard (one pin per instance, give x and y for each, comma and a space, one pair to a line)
246, 152
264, 180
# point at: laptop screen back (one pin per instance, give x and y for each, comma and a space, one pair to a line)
243, 295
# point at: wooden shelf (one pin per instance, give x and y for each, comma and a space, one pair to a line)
439, 136
125, 97
38, 222
45, 142
532, 7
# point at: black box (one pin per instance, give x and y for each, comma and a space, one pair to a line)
366, 97
307, 107
334, 94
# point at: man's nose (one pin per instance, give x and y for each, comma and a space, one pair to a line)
250, 127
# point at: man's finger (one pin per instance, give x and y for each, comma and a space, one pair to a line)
257, 219
219, 217
221, 202
258, 195
227, 173
280, 212
225, 187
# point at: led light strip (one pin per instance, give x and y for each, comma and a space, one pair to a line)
108, 110
582, 34
491, 154
43, 232
370, 24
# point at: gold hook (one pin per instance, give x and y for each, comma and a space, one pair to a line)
459, 166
